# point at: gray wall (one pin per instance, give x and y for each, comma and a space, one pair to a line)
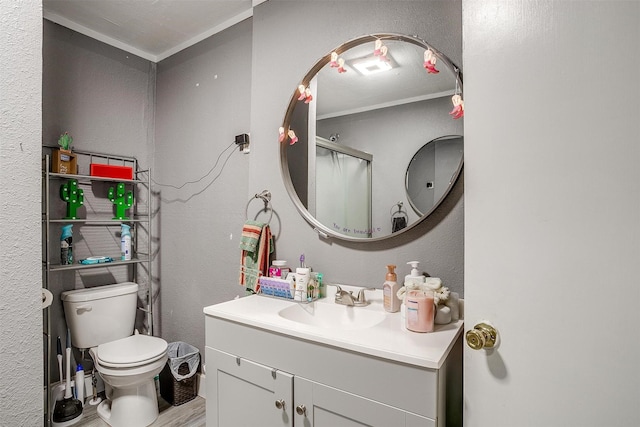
203, 101
437, 243
104, 97
20, 276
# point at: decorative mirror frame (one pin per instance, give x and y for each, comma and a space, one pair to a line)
320, 228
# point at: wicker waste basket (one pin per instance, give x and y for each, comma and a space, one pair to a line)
178, 380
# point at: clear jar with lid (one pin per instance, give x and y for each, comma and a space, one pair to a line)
279, 269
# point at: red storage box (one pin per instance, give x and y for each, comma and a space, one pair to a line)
111, 171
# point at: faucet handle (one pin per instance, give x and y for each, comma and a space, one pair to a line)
338, 288
361, 296
339, 292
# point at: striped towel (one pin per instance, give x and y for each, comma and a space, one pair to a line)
256, 244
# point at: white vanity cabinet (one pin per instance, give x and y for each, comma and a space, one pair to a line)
254, 365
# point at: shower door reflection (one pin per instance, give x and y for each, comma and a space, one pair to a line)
343, 188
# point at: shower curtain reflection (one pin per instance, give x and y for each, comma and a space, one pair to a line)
343, 189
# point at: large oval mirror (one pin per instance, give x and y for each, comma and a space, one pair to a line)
360, 115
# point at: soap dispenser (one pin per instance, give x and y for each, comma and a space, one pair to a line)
390, 290
411, 281
415, 279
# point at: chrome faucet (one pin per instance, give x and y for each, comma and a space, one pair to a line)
346, 297
343, 297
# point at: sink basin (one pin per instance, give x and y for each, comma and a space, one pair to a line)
331, 316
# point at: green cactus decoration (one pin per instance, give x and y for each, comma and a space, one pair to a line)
74, 197
122, 199
65, 141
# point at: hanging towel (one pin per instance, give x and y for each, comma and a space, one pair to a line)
398, 223
256, 244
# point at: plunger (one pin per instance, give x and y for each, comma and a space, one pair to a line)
69, 408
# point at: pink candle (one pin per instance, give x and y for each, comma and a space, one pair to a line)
420, 311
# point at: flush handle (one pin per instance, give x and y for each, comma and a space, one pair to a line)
482, 336
82, 308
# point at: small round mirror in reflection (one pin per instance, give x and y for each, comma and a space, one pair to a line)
432, 171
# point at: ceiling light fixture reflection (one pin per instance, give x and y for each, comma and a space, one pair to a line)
371, 65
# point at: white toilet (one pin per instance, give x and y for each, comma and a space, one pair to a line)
102, 320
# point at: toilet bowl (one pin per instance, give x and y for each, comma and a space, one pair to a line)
101, 319
128, 367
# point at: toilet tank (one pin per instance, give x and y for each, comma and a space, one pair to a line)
102, 314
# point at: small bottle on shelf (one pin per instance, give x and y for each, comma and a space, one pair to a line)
125, 243
66, 245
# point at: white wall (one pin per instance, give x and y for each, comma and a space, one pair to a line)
552, 215
20, 262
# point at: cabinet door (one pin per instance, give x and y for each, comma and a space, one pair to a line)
326, 406
241, 393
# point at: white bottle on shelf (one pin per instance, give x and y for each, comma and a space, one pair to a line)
125, 243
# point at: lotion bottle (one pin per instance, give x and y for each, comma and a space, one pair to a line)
415, 278
390, 290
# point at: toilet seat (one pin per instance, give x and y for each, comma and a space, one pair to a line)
131, 351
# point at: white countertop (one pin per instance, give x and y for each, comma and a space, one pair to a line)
388, 339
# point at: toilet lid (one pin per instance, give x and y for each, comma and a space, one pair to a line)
136, 349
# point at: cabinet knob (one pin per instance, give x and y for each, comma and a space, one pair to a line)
481, 336
301, 410
279, 403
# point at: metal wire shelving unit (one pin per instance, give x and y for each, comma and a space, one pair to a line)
140, 218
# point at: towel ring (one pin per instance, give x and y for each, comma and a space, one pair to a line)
399, 211
265, 196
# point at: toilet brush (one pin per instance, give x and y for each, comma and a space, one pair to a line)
68, 409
